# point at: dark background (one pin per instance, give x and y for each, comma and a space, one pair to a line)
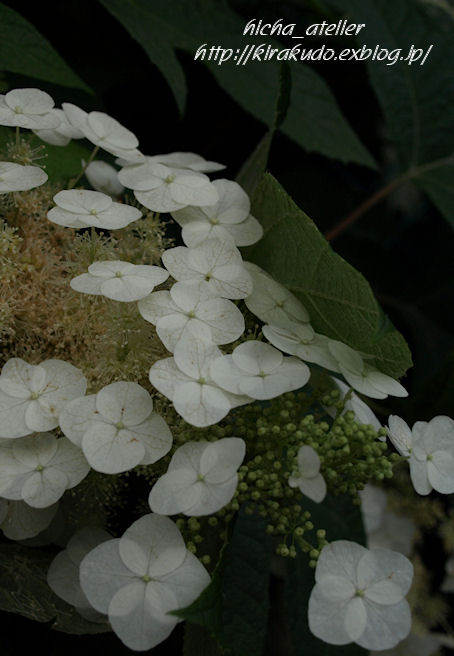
403, 246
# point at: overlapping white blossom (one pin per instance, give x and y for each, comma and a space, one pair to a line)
359, 596
120, 281
308, 477
105, 132
17, 177
137, 579
185, 379
63, 573
362, 377
259, 371
301, 340
186, 160
216, 262
201, 478
28, 108
272, 302
82, 208
229, 218
190, 306
33, 396
430, 449
62, 133
363, 414
166, 189
19, 521
103, 177
39, 468
117, 428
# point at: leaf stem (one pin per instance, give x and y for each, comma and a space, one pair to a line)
382, 193
84, 168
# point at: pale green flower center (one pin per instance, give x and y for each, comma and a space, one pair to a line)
169, 179
359, 593
18, 110
146, 578
201, 381
39, 468
94, 212
200, 478
119, 425
191, 314
214, 221
118, 274
34, 396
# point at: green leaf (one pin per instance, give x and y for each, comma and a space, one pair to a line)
254, 167
234, 607
416, 99
342, 521
25, 51
24, 590
314, 119
338, 298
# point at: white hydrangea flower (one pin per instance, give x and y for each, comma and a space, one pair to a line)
165, 189
308, 478
61, 134
104, 177
32, 396
359, 596
63, 573
117, 428
27, 108
216, 262
104, 131
361, 376
185, 379
39, 468
272, 302
432, 456
301, 340
191, 161
259, 371
81, 208
120, 281
363, 413
229, 218
16, 177
19, 521
189, 306
400, 435
201, 478
137, 579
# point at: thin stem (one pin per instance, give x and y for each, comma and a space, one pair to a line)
383, 193
84, 168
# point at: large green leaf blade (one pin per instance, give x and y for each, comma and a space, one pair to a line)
25, 51
314, 119
234, 607
416, 99
339, 300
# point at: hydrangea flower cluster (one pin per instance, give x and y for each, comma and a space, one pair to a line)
202, 458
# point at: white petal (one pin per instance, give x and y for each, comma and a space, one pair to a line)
226, 374
201, 405
187, 581
327, 619
341, 558
194, 355
175, 492
157, 305
104, 177
246, 233
308, 461
155, 436
44, 488
385, 383
152, 545
70, 460
12, 416
355, 618
254, 357
167, 377
84, 541
63, 579
23, 521
35, 449
111, 451
77, 416
221, 459
419, 476
102, 574
314, 488
15, 177
336, 588
382, 564
386, 626
87, 284
124, 402
440, 471
188, 456
213, 497
347, 357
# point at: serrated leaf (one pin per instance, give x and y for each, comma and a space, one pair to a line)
338, 298
24, 590
25, 51
234, 607
342, 521
314, 119
416, 99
